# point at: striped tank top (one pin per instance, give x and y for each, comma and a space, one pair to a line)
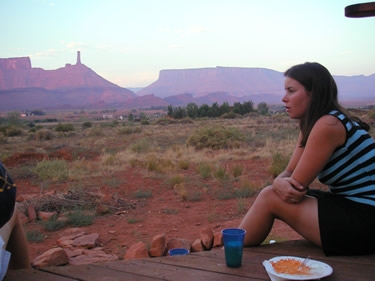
350, 171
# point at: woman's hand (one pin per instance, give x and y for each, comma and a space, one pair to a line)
289, 190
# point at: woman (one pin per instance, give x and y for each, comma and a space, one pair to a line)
337, 149
11, 229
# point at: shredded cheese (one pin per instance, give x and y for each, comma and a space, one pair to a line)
290, 266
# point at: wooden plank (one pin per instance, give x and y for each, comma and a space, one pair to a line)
165, 271
208, 265
34, 275
92, 272
214, 261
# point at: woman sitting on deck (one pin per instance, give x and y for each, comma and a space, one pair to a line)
336, 148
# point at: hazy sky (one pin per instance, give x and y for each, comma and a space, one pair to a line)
129, 41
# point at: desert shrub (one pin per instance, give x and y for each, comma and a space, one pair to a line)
185, 120
3, 139
129, 130
194, 196
133, 220
225, 193
86, 125
44, 134
257, 140
221, 174
14, 132
142, 194
64, 127
140, 146
279, 163
205, 170
55, 170
216, 137
237, 171
34, 236
108, 159
3, 130
371, 113
245, 191
164, 121
181, 191
96, 132
53, 224
79, 217
184, 164
152, 164
231, 115
176, 179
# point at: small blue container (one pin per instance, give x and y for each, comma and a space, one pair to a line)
178, 252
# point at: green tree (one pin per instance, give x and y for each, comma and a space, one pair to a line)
192, 110
224, 108
203, 110
214, 110
263, 108
248, 106
179, 113
237, 108
170, 110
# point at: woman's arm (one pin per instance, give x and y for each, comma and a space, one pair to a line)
283, 184
327, 134
293, 160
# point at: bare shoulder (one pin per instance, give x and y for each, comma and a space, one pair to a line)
331, 128
329, 120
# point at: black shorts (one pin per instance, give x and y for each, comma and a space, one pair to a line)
7, 196
346, 227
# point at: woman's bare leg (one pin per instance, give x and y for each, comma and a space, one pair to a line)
18, 247
302, 217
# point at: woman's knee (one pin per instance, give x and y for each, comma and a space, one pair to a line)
267, 194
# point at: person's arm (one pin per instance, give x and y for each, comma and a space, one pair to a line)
283, 184
327, 134
305, 164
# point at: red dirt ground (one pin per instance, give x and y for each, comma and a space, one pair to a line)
164, 212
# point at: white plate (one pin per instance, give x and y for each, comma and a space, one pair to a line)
318, 270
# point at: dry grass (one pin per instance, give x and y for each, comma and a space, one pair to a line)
158, 148
96, 154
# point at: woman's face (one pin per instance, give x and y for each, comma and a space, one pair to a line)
296, 98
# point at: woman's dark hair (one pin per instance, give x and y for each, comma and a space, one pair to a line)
319, 82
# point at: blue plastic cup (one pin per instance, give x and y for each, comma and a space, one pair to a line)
178, 252
233, 246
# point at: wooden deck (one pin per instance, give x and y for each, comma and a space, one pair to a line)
209, 265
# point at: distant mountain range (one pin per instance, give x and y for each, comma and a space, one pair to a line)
23, 87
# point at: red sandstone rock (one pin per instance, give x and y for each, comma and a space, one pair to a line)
86, 241
158, 246
52, 257
218, 239
45, 216
178, 243
207, 238
72, 236
73, 252
92, 256
31, 212
137, 251
197, 246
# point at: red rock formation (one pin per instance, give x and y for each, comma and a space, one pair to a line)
24, 87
